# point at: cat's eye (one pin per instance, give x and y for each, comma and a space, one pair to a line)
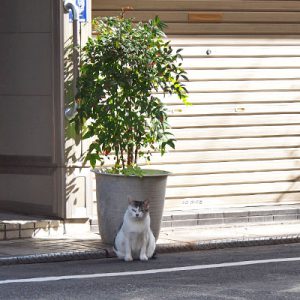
134, 210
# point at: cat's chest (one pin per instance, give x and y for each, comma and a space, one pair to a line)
136, 227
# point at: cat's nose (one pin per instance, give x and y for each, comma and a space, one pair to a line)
137, 215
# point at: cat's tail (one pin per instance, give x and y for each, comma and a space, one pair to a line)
154, 255
118, 253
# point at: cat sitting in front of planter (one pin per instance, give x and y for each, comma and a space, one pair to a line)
135, 239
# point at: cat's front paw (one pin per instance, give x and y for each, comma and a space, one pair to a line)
143, 257
128, 258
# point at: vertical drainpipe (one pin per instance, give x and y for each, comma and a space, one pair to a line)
70, 112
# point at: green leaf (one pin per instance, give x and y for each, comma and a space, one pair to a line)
185, 77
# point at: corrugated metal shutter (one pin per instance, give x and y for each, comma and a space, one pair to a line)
238, 145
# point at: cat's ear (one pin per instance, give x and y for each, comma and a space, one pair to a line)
130, 199
146, 204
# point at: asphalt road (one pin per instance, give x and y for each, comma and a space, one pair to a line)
269, 272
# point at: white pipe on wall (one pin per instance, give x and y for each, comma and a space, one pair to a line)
70, 112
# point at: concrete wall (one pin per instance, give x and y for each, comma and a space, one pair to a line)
31, 147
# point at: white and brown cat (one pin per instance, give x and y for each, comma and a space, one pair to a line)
135, 239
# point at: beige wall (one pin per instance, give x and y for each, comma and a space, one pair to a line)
78, 178
30, 113
238, 145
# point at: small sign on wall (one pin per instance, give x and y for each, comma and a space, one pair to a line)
82, 8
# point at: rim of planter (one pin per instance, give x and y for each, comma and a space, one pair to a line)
148, 173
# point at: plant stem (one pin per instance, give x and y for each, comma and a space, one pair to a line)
122, 159
130, 155
136, 155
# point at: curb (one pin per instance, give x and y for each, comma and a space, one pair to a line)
233, 243
54, 257
161, 248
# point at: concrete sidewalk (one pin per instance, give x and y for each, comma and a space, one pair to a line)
89, 245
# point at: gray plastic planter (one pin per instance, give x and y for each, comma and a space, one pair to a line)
112, 199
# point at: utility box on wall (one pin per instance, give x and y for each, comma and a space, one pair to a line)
83, 9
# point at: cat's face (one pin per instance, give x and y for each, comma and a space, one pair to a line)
138, 209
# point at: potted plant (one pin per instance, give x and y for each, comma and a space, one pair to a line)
122, 115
